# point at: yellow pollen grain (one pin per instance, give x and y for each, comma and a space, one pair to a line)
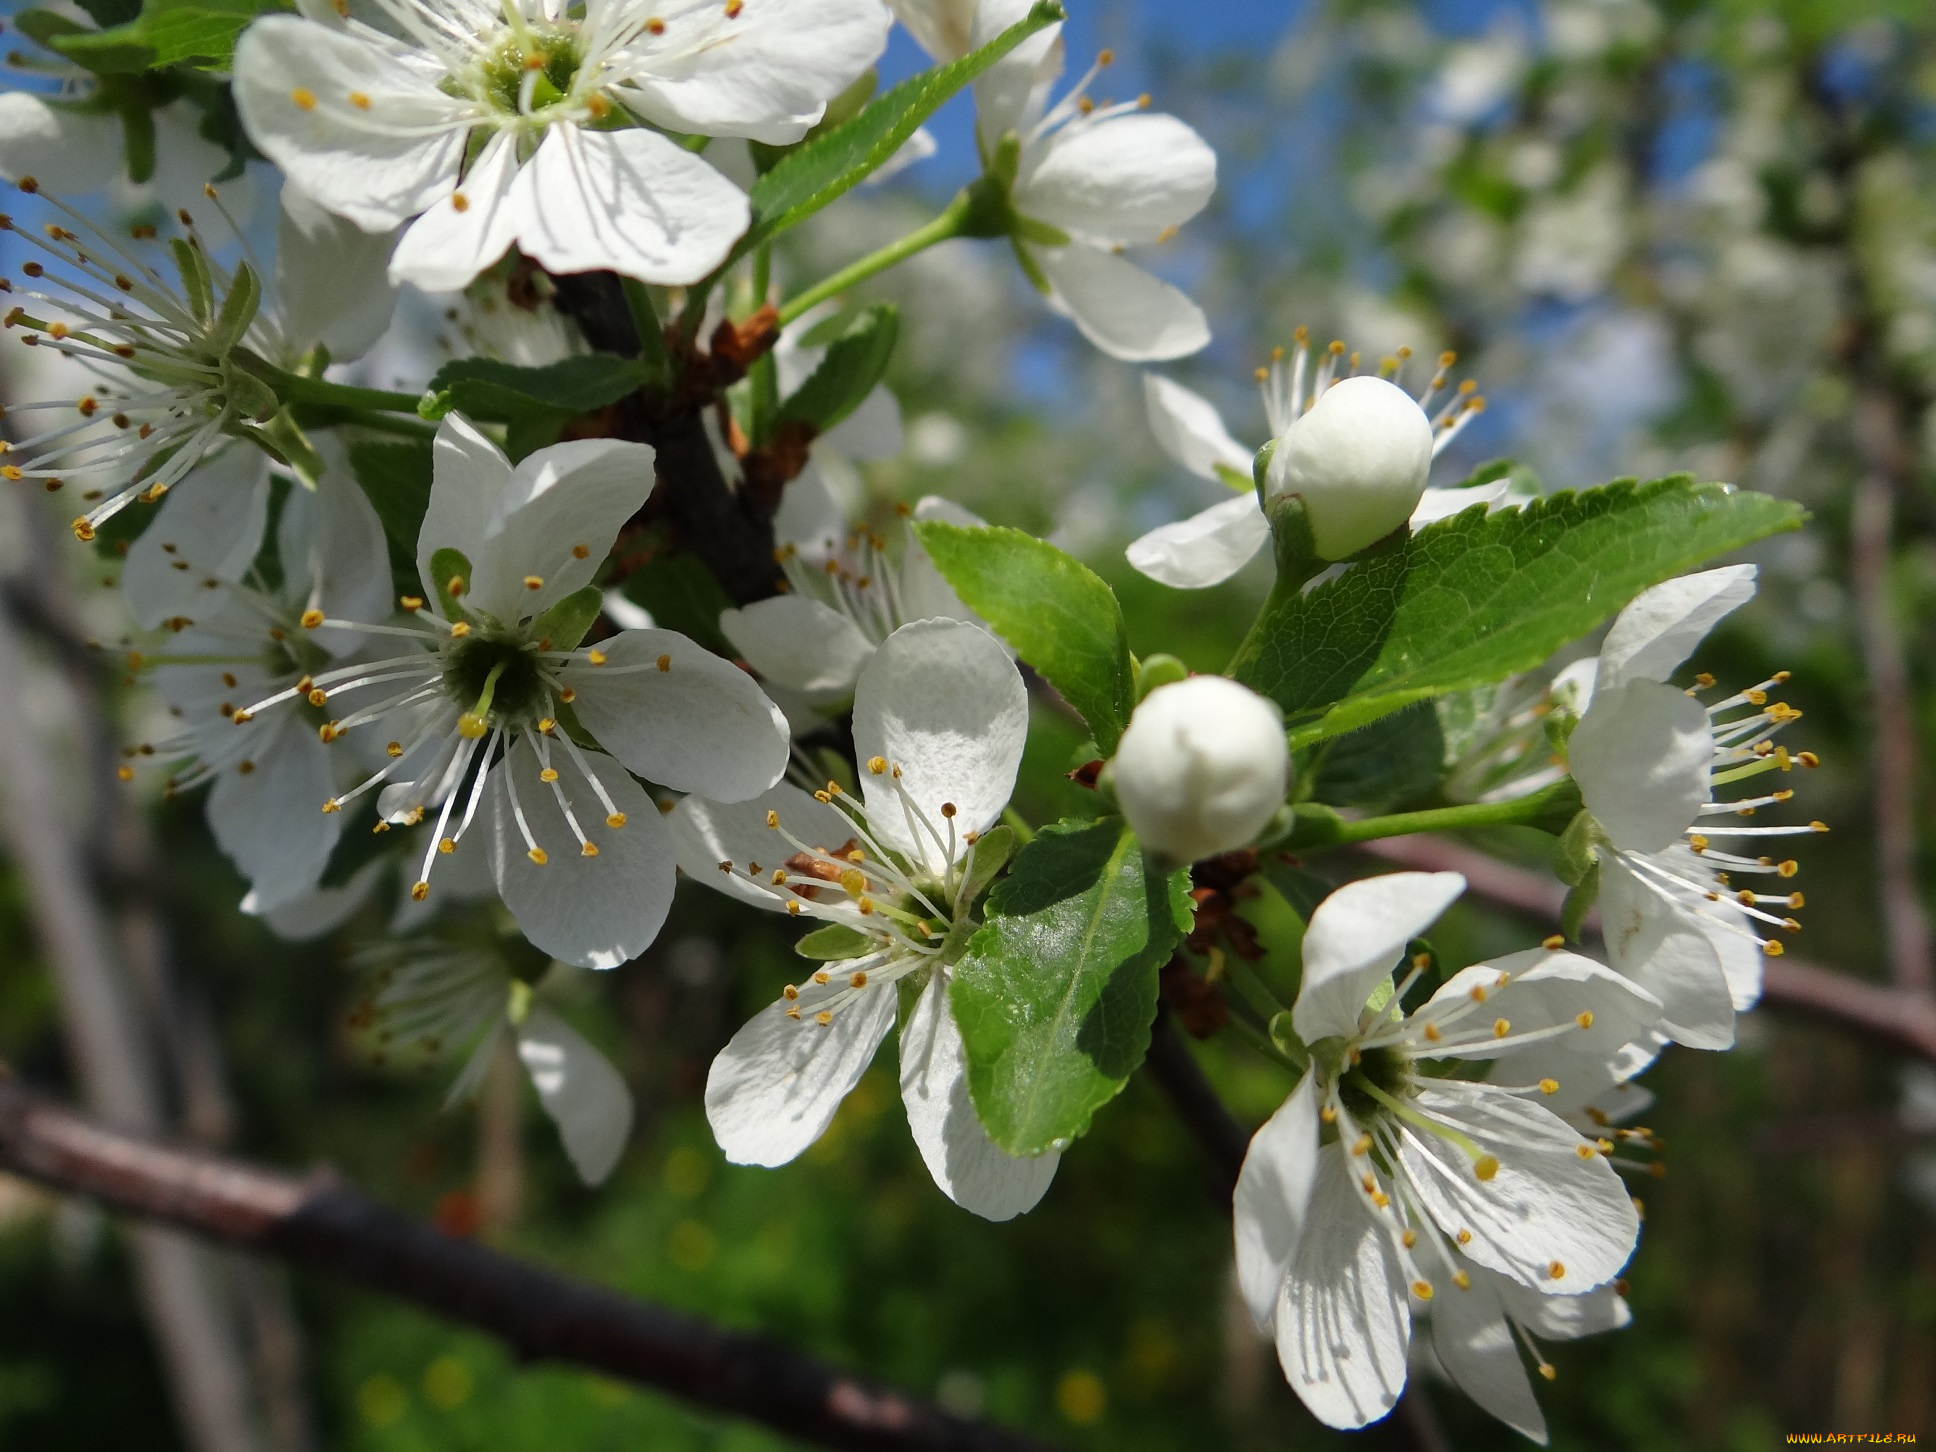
537, 855
304, 98
615, 821
1549, 1086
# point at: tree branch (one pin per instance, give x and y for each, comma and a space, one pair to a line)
322, 1224
1904, 1020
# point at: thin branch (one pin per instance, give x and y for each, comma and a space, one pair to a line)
324, 1225
1904, 1020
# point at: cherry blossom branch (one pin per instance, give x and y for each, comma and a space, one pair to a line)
325, 1225
1904, 1020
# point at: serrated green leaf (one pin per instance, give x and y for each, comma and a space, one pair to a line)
827, 168
485, 388
1057, 613
396, 477
200, 33
565, 623
854, 362
833, 942
1396, 757
1480, 597
1057, 991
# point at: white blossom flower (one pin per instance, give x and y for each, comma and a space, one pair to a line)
1089, 181
1649, 759
472, 699
940, 717
1381, 1171
378, 126
168, 334
1201, 768
1210, 547
239, 639
847, 591
463, 985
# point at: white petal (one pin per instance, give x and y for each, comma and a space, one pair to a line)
773, 1090
1661, 627
1641, 755
1476, 1345
319, 913
1191, 431
1565, 1318
872, 431
596, 912
1666, 950
377, 166
1127, 179
469, 227
579, 1089
1013, 93
765, 72
1342, 1322
709, 834
1437, 504
1125, 311
1547, 1203
332, 278
72, 151
700, 724
1205, 549
208, 529
810, 518
943, 705
469, 480
800, 643
1273, 1197
563, 507
270, 819
966, 1164
1544, 990
348, 559
1356, 937
943, 28
632, 201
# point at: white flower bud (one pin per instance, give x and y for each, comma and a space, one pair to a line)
1201, 769
1358, 459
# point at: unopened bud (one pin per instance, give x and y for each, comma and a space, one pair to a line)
1201, 769
1358, 459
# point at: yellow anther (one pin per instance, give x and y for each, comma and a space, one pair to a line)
459, 202
331, 807
822, 977
1549, 1086
549, 774
1553, 944
126, 773
790, 992
567, 694
1796, 900
1788, 868
596, 657
794, 1014
1462, 1279
1422, 1289
1771, 949
665, 663
1409, 1239
420, 892
537, 855
1549, 1371
1370, 1185
1478, 993
1432, 1033
394, 749
1818, 826
1464, 1237
311, 619
589, 849
317, 696
1808, 759
1584, 1018
447, 846
615, 820
1328, 1114
824, 1017
779, 877
1380, 1199
1501, 1027
547, 726
460, 630
877, 765
1486, 1166
859, 980
534, 582
853, 881
304, 98
1363, 1146
773, 820
1697, 843
1555, 1271
1583, 1150
359, 100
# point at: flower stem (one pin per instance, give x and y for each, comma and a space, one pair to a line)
294, 388
645, 322
1549, 811
940, 229
763, 375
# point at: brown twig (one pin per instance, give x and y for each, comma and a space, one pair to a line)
321, 1224
1904, 1020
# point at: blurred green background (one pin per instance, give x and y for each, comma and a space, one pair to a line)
1662, 236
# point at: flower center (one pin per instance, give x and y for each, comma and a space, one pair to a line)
496, 675
530, 68
1384, 1070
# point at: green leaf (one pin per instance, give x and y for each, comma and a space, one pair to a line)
238, 309
565, 623
1480, 597
1057, 991
992, 851
166, 33
1394, 758
854, 363
396, 477
1057, 613
833, 942
535, 403
827, 168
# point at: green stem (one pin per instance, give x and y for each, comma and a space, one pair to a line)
940, 229
763, 375
294, 388
1254, 990
645, 322
382, 423
1549, 811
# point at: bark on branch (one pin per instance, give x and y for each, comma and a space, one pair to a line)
325, 1225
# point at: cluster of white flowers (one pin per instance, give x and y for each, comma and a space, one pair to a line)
1441, 1158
